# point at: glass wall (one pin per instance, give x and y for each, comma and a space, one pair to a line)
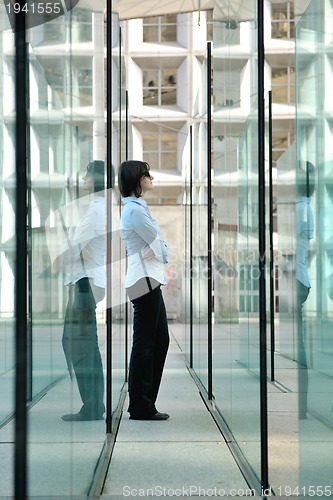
199, 265
236, 274
235, 230
313, 233
66, 134
66, 229
8, 249
121, 142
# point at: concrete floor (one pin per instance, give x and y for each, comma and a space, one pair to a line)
182, 456
185, 455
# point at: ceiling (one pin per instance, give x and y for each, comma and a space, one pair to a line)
224, 10
237, 10
133, 9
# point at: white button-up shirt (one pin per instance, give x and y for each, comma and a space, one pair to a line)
89, 235
140, 231
304, 233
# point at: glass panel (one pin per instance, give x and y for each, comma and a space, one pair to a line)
152, 159
168, 161
160, 150
209, 21
51, 33
150, 78
66, 240
160, 29
82, 25
283, 85
199, 235
169, 28
226, 32
281, 141
159, 87
67, 314
248, 356
118, 258
150, 34
7, 234
170, 19
313, 233
186, 259
66, 271
169, 141
150, 142
269, 240
150, 87
236, 382
168, 86
168, 96
150, 20
227, 84
282, 19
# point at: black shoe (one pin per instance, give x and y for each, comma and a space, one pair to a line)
156, 416
78, 417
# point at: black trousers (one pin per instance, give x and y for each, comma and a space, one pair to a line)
149, 350
80, 344
303, 378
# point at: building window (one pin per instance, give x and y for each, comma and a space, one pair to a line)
81, 84
53, 32
85, 86
81, 25
283, 85
210, 26
281, 142
227, 89
160, 150
159, 87
248, 288
283, 25
160, 29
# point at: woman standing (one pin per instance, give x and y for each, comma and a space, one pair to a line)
82, 260
147, 256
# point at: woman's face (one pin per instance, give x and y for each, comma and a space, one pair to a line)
146, 183
88, 182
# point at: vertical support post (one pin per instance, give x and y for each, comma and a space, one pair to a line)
262, 248
109, 216
191, 246
21, 274
120, 108
209, 220
126, 126
29, 237
271, 241
126, 303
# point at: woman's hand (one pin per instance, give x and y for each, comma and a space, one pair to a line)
148, 254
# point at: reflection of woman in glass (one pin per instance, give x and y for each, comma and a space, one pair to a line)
82, 260
147, 256
304, 233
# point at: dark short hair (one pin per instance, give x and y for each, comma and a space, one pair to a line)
129, 176
96, 169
